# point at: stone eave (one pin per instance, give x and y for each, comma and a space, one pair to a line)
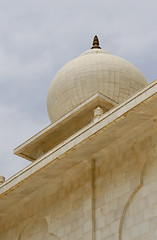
82, 145
36, 146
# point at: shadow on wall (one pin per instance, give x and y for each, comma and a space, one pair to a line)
36, 228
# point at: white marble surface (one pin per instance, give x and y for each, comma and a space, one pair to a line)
92, 72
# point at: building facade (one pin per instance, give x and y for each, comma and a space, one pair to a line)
93, 171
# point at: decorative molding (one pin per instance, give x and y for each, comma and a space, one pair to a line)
54, 236
130, 199
48, 235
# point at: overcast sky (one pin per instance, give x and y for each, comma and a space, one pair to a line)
37, 37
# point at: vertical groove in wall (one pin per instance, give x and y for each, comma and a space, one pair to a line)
93, 198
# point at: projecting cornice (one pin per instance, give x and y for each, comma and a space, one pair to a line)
126, 123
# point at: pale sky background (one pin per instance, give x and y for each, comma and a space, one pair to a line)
37, 37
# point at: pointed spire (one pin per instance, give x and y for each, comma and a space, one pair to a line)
96, 42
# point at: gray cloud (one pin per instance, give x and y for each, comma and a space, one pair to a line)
37, 37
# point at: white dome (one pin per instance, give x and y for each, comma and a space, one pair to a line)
94, 71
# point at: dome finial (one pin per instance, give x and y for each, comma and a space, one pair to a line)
95, 42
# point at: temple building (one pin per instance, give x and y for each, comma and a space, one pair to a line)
93, 170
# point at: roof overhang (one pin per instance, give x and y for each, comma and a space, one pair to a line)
125, 123
55, 133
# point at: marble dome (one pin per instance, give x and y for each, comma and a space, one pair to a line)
94, 71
